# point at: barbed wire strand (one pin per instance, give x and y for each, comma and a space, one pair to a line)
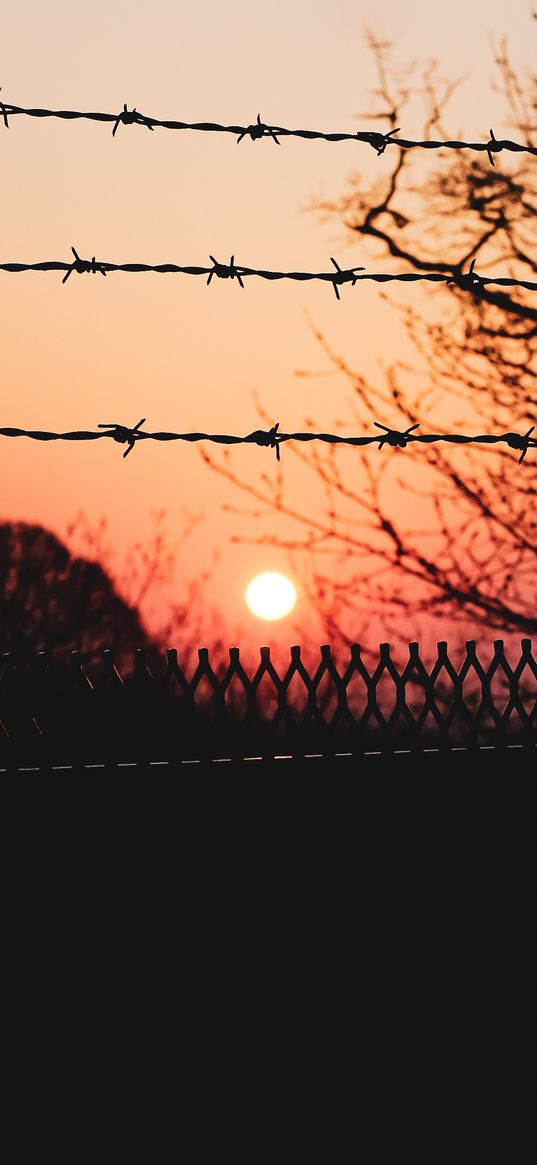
377, 140
273, 439
467, 281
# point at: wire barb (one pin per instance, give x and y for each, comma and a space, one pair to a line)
493, 147
379, 141
223, 271
270, 440
523, 442
468, 280
258, 130
393, 437
130, 117
124, 435
83, 266
340, 277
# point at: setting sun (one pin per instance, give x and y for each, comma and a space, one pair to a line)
270, 595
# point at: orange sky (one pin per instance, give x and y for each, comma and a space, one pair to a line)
167, 347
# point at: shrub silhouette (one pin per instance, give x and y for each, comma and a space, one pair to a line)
50, 600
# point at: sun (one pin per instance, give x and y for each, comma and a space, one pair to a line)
270, 595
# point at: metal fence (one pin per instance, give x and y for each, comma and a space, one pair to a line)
55, 710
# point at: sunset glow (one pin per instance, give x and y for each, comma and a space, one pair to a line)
222, 359
270, 596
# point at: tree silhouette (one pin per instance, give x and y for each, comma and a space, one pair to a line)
50, 600
442, 530
186, 621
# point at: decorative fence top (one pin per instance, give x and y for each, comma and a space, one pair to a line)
65, 710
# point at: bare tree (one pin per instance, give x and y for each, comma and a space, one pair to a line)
469, 554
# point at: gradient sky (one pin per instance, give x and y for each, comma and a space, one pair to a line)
167, 347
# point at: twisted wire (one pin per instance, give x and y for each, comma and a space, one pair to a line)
259, 129
273, 439
467, 281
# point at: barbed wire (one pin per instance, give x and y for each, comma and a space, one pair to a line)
377, 140
273, 439
467, 281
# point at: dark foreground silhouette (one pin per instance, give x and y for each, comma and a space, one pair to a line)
64, 712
